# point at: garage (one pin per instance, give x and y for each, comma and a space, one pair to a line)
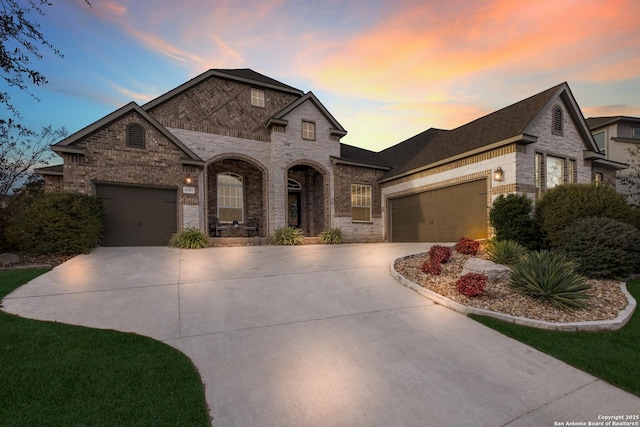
138, 216
442, 215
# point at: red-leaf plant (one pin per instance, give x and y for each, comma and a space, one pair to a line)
467, 246
471, 284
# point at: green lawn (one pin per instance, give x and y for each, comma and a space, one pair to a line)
611, 356
56, 374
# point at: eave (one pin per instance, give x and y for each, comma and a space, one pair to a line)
523, 138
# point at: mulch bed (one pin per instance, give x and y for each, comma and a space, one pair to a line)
606, 301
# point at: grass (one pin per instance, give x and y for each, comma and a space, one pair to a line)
57, 374
611, 356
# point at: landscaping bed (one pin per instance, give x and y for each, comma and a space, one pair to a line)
607, 299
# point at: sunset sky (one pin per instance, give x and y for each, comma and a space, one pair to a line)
386, 70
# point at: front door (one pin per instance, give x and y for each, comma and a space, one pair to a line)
293, 205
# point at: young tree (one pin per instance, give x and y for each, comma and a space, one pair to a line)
20, 153
630, 178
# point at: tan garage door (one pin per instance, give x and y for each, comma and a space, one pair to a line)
442, 215
137, 216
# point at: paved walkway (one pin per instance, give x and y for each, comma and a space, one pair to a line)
318, 336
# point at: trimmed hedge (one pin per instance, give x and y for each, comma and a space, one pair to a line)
601, 247
562, 205
511, 219
56, 223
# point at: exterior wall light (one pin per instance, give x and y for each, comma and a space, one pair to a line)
188, 180
498, 175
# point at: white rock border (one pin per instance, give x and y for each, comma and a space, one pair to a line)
596, 325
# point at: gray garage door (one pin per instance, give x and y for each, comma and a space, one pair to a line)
442, 215
137, 216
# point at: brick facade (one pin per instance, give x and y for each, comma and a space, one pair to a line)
209, 126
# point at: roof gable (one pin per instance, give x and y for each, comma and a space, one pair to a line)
243, 75
279, 117
66, 145
507, 125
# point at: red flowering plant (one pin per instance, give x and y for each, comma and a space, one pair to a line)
471, 284
432, 267
467, 246
439, 254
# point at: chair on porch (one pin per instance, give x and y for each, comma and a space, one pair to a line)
251, 225
216, 228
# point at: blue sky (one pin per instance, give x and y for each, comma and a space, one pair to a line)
386, 70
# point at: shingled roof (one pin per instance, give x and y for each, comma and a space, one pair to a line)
434, 145
355, 155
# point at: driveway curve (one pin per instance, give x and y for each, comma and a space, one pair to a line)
318, 336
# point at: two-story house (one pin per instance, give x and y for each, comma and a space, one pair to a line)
615, 137
233, 152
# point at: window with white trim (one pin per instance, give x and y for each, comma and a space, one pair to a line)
555, 171
230, 198
257, 98
308, 130
635, 133
360, 203
551, 171
601, 140
572, 171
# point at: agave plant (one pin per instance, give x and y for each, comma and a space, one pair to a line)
333, 236
505, 252
551, 277
191, 238
287, 236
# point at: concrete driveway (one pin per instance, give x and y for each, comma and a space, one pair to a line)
318, 336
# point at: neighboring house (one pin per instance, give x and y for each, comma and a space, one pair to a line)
615, 136
234, 152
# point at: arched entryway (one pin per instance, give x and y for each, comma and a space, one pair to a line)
236, 201
307, 198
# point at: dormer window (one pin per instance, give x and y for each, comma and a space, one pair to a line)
557, 127
308, 130
135, 135
257, 98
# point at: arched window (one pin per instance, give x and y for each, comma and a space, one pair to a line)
557, 120
293, 185
230, 198
135, 135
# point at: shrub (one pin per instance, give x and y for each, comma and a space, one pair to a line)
550, 276
505, 252
432, 267
439, 254
564, 204
601, 247
467, 246
56, 223
333, 236
191, 238
471, 284
511, 219
287, 236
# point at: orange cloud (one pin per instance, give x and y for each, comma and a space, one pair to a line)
427, 48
